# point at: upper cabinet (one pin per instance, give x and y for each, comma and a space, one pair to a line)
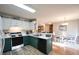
32, 25
1, 24
25, 25
6, 23
40, 28
45, 28
14, 22
49, 28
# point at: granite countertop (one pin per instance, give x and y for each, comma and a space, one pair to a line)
42, 37
7, 37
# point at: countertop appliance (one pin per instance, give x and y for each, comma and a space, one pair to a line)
17, 40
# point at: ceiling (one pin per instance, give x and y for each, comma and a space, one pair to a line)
15, 11
45, 12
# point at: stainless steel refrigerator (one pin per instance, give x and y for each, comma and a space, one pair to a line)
2, 40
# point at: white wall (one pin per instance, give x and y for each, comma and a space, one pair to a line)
72, 27
78, 27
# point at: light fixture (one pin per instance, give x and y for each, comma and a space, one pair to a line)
25, 7
64, 24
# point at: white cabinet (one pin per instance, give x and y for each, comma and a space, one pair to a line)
14, 23
6, 23
25, 25
1, 24
32, 25
19, 23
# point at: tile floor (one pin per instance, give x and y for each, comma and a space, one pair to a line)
27, 50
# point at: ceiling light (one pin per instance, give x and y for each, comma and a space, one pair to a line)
64, 24
25, 7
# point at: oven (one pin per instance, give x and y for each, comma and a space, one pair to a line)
17, 40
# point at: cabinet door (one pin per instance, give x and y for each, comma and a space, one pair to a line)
13, 22
34, 42
49, 45
42, 45
6, 23
26, 40
7, 46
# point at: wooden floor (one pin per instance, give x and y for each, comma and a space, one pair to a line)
58, 50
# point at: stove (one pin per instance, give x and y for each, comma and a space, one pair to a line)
17, 40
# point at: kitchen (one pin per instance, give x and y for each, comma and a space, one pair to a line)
15, 37
37, 30
21, 33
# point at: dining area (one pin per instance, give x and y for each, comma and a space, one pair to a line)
66, 45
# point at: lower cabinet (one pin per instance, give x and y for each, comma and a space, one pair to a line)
33, 41
49, 45
7, 46
26, 40
29, 40
44, 45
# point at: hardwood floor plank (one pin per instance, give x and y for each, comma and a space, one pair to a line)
65, 50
